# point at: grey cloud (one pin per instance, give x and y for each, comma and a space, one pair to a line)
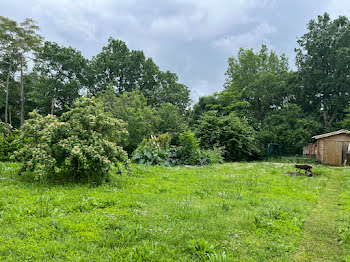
189, 37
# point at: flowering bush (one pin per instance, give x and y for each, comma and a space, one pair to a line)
82, 144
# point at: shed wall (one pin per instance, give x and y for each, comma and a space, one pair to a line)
331, 150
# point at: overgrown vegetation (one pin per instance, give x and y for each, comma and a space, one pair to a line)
81, 145
158, 151
233, 212
263, 100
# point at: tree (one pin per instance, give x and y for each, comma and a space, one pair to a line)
346, 121
204, 104
8, 67
259, 79
323, 59
60, 73
288, 126
132, 108
172, 92
171, 121
230, 132
124, 70
16, 40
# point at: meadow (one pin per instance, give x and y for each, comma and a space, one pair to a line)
224, 212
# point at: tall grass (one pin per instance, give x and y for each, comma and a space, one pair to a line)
228, 212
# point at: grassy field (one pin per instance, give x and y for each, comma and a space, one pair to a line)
228, 212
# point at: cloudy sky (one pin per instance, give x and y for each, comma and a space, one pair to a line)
192, 38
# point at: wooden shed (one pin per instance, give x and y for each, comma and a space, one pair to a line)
333, 148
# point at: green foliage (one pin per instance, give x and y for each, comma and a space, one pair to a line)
132, 108
10, 143
59, 77
16, 40
151, 156
127, 70
259, 79
231, 133
323, 72
82, 144
188, 151
346, 121
5, 128
22, 37
170, 120
204, 104
290, 127
210, 156
200, 248
158, 151
155, 151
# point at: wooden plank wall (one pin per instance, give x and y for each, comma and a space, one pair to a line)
333, 153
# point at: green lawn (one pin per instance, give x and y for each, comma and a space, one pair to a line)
228, 212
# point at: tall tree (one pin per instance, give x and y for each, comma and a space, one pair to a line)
323, 60
126, 70
19, 38
8, 67
60, 71
260, 79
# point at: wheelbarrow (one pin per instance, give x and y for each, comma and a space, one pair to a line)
306, 168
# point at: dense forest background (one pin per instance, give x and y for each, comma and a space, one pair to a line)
263, 100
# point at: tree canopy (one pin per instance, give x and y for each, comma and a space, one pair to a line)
323, 60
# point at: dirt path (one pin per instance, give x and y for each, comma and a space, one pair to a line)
319, 241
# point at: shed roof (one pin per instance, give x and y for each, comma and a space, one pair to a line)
334, 133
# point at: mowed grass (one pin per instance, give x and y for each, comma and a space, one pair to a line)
228, 212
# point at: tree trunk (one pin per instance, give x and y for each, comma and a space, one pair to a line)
52, 105
7, 95
10, 116
22, 93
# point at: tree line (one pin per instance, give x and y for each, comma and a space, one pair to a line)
263, 100
282, 105
49, 78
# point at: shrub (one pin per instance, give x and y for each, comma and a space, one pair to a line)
155, 151
80, 145
188, 151
213, 156
229, 132
9, 143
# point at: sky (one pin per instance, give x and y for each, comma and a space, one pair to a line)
192, 38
